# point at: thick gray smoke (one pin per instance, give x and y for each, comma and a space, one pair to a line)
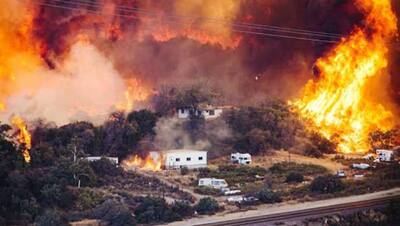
171, 134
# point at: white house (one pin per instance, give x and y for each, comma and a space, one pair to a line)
241, 158
384, 155
213, 183
97, 158
208, 112
175, 159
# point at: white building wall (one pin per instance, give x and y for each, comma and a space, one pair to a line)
185, 158
385, 155
206, 113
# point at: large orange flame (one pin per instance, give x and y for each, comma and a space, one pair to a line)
24, 136
149, 163
339, 102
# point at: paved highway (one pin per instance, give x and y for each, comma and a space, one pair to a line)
287, 212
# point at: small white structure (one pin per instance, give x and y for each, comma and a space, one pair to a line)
97, 158
232, 192
207, 112
239, 158
361, 165
384, 155
234, 199
213, 183
175, 159
341, 173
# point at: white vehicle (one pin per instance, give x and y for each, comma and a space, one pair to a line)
358, 176
384, 155
341, 173
239, 158
361, 165
232, 192
213, 183
238, 199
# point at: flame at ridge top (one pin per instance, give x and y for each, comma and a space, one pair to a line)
337, 103
24, 137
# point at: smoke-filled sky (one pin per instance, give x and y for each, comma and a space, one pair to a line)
64, 64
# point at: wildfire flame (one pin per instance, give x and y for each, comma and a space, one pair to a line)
338, 103
134, 92
149, 163
24, 136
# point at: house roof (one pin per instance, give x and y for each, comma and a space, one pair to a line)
180, 151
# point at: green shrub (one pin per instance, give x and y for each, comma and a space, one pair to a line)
181, 210
327, 184
50, 218
114, 213
153, 210
203, 190
304, 169
294, 177
207, 206
268, 196
87, 199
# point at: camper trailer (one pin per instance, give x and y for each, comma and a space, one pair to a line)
213, 183
179, 158
384, 155
239, 158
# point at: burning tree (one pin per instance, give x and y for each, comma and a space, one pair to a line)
339, 103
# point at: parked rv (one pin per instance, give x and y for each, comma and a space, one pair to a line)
384, 155
213, 183
241, 158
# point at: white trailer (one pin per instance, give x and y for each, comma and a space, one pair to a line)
176, 159
213, 183
384, 155
360, 165
241, 158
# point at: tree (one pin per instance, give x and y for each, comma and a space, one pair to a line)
327, 184
87, 199
145, 119
121, 137
254, 141
271, 125
50, 218
268, 196
105, 167
319, 146
80, 174
153, 209
114, 213
207, 206
181, 210
56, 195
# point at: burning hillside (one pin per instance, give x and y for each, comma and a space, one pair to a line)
345, 101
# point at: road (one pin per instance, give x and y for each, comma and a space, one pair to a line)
286, 212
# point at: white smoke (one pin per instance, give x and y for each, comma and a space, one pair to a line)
85, 86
